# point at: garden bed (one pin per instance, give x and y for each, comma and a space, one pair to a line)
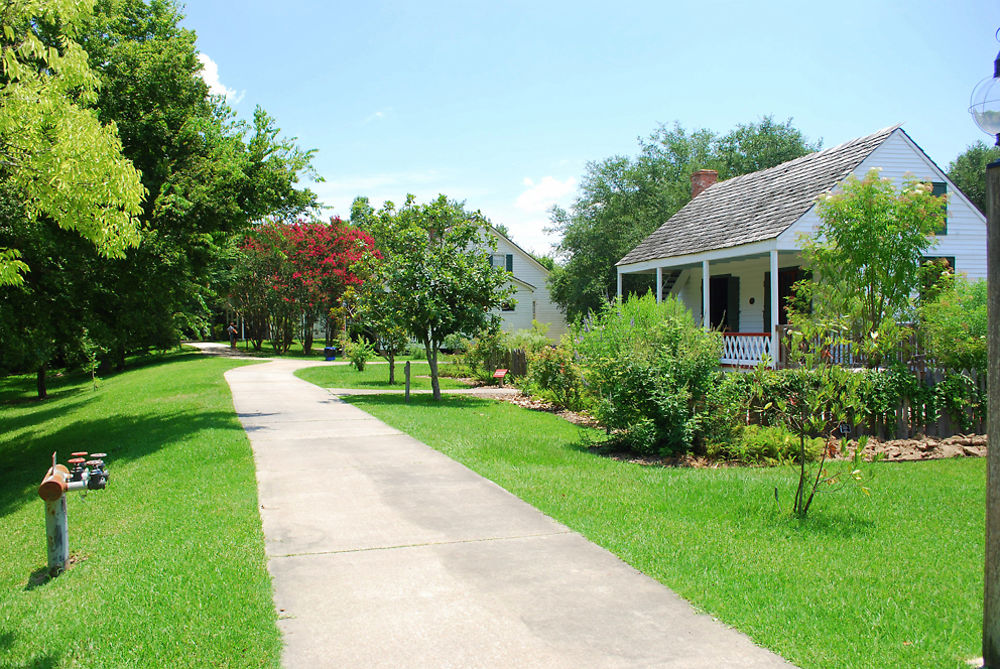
892, 450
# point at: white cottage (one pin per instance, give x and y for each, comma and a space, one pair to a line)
532, 300
720, 252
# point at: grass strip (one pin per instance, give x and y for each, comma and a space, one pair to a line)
170, 568
375, 377
891, 580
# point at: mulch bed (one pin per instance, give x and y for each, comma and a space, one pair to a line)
893, 450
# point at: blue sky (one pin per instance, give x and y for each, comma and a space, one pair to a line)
502, 104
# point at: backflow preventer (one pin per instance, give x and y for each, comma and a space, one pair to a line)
87, 474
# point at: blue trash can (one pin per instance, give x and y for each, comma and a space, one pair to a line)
330, 352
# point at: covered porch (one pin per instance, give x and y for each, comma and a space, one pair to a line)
731, 290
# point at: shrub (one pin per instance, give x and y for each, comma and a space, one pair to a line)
765, 444
953, 325
486, 354
453, 343
359, 352
555, 376
648, 366
955, 395
532, 340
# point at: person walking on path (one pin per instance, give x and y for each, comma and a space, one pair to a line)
232, 335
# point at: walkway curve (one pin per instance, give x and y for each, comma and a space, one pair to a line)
385, 553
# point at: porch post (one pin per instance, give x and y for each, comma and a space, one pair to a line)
705, 321
619, 271
659, 285
775, 314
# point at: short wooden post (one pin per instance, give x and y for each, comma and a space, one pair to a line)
406, 371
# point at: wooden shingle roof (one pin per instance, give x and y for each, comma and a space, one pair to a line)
757, 206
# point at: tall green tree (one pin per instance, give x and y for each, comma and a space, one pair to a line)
623, 199
209, 175
968, 172
60, 161
435, 273
865, 259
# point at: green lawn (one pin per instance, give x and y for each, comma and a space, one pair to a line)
171, 569
376, 376
891, 580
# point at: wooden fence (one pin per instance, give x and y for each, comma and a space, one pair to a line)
912, 418
515, 361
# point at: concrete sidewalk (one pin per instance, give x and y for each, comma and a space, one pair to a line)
385, 553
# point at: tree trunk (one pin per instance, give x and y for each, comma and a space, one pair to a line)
307, 333
120, 359
392, 368
432, 362
40, 382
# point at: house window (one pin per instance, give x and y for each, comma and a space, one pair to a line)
505, 261
939, 188
508, 305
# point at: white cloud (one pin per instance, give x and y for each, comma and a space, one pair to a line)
210, 74
547, 192
377, 116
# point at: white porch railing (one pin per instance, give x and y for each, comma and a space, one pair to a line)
745, 349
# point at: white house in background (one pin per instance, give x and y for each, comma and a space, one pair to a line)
720, 253
532, 300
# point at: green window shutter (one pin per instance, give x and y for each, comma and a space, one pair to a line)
733, 304
767, 302
939, 188
491, 260
510, 262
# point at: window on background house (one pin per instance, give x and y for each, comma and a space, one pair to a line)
510, 262
939, 188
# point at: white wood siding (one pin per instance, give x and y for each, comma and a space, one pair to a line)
899, 159
528, 270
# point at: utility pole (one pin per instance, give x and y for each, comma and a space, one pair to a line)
991, 601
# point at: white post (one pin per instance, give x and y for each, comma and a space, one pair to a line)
619, 270
659, 284
57, 534
705, 321
775, 313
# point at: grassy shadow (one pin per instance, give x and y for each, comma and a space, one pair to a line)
446, 403
123, 438
43, 661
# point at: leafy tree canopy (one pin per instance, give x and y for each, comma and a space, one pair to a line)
968, 172
59, 160
434, 270
623, 199
865, 260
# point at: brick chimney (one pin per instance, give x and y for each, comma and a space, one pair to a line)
701, 180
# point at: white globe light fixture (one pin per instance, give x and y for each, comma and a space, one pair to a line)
985, 102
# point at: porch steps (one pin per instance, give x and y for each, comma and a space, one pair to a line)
669, 279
